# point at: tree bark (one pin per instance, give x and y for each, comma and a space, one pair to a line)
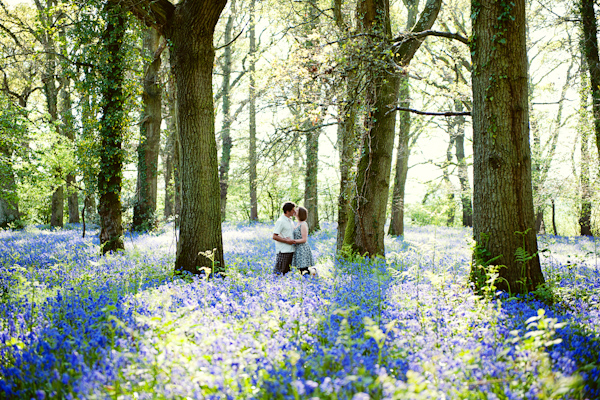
144, 210
68, 130
171, 164
9, 205
585, 213
590, 49
51, 93
503, 218
112, 126
463, 174
311, 193
226, 142
369, 205
190, 27
397, 220
252, 159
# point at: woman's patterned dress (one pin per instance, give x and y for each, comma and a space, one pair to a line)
303, 257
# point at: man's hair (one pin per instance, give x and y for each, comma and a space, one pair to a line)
288, 206
302, 213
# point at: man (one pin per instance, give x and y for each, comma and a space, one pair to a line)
283, 235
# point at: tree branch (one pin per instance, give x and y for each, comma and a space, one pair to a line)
154, 13
438, 114
400, 40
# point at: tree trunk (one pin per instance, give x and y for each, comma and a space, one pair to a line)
192, 63
168, 165
590, 49
397, 218
369, 205
9, 206
397, 221
226, 142
252, 159
311, 194
348, 144
463, 174
51, 94
190, 27
68, 130
144, 210
171, 164
553, 205
112, 126
451, 212
585, 214
503, 222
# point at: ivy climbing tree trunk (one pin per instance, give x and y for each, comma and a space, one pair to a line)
252, 159
503, 220
189, 27
365, 235
144, 209
112, 127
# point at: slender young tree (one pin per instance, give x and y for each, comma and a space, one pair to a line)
503, 219
189, 28
252, 158
144, 209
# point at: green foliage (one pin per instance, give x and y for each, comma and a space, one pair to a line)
483, 273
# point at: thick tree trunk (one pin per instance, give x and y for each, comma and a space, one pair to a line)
592, 58
252, 159
190, 27
112, 130
144, 210
192, 63
226, 142
397, 221
503, 222
369, 205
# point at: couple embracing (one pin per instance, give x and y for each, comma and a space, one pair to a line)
291, 241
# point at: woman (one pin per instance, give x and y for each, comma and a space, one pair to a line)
303, 259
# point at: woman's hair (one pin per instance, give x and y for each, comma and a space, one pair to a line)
302, 213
